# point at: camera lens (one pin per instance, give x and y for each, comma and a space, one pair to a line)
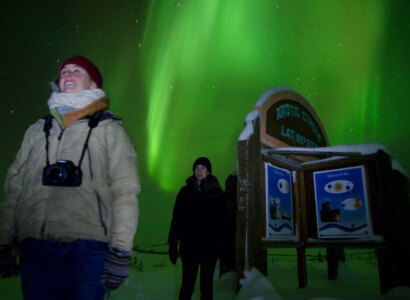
56, 174
63, 173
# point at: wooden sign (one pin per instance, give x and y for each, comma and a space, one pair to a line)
288, 120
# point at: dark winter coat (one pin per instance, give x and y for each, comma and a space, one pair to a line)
200, 218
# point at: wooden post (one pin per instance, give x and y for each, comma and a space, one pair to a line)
394, 260
228, 257
302, 270
249, 252
300, 194
394, 264
334, 255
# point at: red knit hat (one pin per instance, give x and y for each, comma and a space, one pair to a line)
91, 69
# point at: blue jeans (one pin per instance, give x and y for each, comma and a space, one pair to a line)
59, 270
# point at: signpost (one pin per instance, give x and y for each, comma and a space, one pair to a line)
300, 196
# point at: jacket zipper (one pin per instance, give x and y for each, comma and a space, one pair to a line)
43, 227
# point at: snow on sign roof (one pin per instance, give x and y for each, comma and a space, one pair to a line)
248, 131
339, 150
271, 91
362, 149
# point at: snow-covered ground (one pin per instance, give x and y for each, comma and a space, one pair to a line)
357, 279
153, 277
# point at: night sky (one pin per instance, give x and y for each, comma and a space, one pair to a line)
183, 75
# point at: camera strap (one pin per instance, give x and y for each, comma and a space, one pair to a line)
47, 126
92, 123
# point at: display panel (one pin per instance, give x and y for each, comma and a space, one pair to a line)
342, 209
279, 207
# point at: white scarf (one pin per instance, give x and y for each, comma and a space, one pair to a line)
72, 101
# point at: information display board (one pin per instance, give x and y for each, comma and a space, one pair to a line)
279, 207
342, 209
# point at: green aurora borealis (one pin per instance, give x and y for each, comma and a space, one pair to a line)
207, 62
183, 75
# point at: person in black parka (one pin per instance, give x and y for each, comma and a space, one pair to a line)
199, 224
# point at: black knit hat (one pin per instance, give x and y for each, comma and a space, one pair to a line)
203, 161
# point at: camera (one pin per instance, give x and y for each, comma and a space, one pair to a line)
62, 173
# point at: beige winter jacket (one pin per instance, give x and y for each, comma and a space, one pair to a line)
103, 208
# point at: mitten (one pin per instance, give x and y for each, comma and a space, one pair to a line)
173, 254
115, 268
8, 263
